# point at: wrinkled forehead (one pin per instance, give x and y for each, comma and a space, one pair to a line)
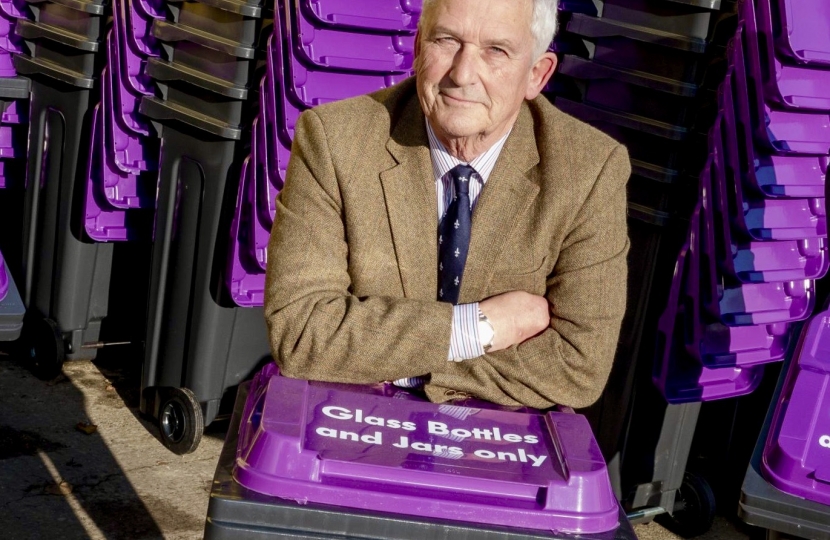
500, 19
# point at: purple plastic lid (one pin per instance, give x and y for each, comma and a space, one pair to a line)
712, 338
383, 15
16, 112
16, 9
796, 455
804, 36
308, 87
129, 85
680, 377
276, 157
287, 113
258, 234
131, 152
102, 221
245, 281
795, 87
380, 448
752, 214
783, 132
4, 278
137, 26
336, 49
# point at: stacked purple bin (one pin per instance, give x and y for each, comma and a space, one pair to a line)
123, 163
320, 51
759, 238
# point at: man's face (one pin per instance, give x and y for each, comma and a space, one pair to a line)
475, 65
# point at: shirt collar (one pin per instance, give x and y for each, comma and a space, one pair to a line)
443, 162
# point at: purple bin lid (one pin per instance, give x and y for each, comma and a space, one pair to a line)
4, 278
804, 36
792, 87
383, 15
678, 375
796, 456
16, 112
307, 87
275, 157
137, 24
245, 281
712, 337
259, 234
131, 152
380, 448
126, 187
16, 9
752, 214
129, 82
132, 60
287, 113
104, 223
336, 49
781, 131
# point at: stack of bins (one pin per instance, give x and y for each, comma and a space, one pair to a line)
14, 95
11, 305
65, 276
198, 343
787, 484
645, 72
312, 58
758, 240
123, 162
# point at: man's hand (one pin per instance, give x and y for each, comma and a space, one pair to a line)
516, 316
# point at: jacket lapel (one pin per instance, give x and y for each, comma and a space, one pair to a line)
505, 197
409, 191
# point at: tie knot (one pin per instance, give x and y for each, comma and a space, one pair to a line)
461, 176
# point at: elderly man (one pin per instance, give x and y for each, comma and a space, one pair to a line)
456, 230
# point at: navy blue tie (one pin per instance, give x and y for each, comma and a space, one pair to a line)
454, 236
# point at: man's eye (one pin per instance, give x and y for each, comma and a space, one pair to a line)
498, 50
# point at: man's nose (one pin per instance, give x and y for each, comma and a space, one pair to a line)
465, 67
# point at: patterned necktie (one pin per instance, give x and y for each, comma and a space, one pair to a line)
454, 236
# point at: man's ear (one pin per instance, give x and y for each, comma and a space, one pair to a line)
417, 43
540, 74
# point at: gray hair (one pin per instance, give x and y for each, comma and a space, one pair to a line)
543, 24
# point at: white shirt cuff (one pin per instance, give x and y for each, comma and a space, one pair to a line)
465, 342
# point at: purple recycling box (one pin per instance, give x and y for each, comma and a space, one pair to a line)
335, 49
16, 112
275, 158
4, 278
795, 87
804, 35
258, 235
383, 449
796, 456
16, 9
379, 15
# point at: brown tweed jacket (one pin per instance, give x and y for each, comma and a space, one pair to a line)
352, 263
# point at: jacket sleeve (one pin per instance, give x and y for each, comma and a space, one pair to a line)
318, 329
569, 363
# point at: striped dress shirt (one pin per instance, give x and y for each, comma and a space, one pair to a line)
464, 340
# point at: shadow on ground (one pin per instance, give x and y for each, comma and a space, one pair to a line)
59, 481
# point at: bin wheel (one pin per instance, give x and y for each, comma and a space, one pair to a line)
47, 350
180, 421
694, 507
